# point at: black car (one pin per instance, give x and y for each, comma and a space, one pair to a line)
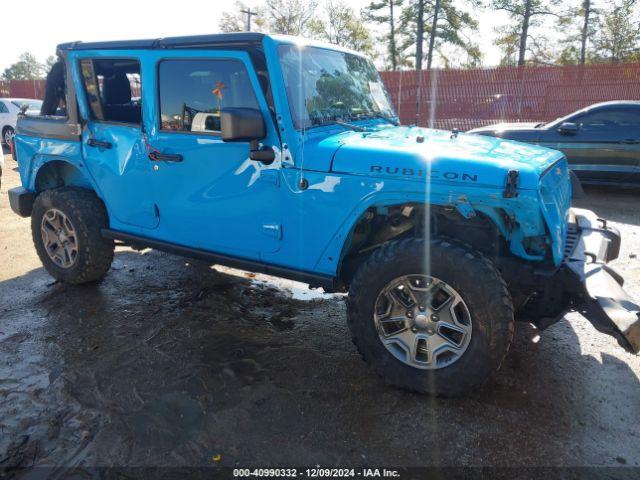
601, 142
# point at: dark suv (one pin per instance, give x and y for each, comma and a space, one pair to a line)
601, 142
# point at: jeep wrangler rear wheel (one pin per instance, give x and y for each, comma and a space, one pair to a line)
430, 316
66, 224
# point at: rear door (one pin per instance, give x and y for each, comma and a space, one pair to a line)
210, 195
112, 139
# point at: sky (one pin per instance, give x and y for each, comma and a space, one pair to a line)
38, 26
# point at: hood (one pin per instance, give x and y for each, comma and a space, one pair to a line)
418, 154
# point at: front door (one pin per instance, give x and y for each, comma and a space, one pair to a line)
209, 194
112, 140
606, 146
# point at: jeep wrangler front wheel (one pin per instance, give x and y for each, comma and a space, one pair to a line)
430, 316
66, 224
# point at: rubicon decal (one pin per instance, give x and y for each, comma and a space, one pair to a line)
430, 174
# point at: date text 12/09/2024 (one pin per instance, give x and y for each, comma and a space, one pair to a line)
316, 472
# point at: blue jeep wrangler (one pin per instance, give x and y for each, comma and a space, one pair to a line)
278, 155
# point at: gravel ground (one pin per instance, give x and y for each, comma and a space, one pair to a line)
167, 362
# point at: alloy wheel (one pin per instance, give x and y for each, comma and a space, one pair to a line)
423, 321
8, 135
59, 238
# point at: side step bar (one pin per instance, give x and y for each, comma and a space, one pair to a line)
328, 283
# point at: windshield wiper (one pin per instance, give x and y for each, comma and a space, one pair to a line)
391, 120
353, 127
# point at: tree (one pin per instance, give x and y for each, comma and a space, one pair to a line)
236, 20
444, 24
50, 62
618, 37
586, 12
419, 32
507, 40
290, 17
526, 15
342, 27
569, 55
580, 21
27, 68
375, 12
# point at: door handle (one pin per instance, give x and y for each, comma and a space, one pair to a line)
92, 142
165, 157
630, 141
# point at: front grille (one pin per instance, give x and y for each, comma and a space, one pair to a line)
555, 192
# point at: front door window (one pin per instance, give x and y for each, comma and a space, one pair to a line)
192, 92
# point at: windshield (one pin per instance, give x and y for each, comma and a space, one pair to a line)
327, 86
33, 104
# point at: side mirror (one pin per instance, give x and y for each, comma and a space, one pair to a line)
246, 125
568, 128
241, 125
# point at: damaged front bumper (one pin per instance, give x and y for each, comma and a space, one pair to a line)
596, 287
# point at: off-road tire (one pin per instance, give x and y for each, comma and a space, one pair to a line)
88, 216
472, 275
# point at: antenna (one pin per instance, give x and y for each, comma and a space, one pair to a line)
249, 14
303, 183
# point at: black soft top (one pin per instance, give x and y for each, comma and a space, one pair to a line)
194, 41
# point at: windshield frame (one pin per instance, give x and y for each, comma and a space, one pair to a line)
297, 120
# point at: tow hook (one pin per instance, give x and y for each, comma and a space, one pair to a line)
511, 185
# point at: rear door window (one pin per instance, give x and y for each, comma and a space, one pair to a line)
192, 93
113, 89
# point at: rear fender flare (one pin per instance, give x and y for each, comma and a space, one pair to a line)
52, 172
